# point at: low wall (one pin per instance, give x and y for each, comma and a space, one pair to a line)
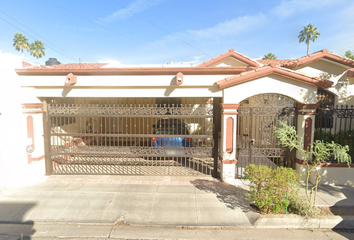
331, 173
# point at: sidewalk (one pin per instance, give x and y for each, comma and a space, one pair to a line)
202, 202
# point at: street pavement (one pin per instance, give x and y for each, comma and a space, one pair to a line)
99, 205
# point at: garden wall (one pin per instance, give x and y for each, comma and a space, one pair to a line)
331, 173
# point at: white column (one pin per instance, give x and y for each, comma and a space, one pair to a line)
228, 141
305, 129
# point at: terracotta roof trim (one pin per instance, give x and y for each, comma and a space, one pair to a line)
230, 53
129, 71
318, 55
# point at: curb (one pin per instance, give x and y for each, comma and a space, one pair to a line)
264, 222
298, 222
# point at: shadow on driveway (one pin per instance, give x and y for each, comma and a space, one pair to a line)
12, 224
234, 197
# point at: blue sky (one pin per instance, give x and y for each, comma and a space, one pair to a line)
188, 31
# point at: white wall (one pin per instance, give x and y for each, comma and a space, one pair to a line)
298, 91
13, 155
38, 135
134, 93
334, 72
122, 86
133, 81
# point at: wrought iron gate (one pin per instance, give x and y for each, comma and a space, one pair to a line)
129, 139
257, 117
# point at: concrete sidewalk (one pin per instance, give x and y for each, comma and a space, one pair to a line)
154, 201
137, 201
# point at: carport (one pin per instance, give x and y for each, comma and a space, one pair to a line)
114, 136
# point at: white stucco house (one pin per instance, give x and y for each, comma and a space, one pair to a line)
89, 118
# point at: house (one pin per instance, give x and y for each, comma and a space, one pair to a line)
89, 118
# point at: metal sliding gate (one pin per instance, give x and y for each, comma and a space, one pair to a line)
129, 139
256, 142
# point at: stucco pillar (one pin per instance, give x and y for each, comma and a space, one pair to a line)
228, 140
305, 129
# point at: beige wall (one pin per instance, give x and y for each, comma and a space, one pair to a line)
229, 62
323, 66
329, 175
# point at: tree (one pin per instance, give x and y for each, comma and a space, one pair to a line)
37, 49
309, 33
321, 152
21, 43
349, 54
269, 56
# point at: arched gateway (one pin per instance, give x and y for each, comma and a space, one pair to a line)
256, 143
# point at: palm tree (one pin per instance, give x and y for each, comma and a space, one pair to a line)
270, 56
349, 54
37, 49
310, 32
21, 43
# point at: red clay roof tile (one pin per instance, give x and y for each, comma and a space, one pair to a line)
80, 65
316, 56
278, 62
26, 64
66, 66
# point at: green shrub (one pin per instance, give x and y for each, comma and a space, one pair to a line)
323, 136
302, 206
270, 188
342, 137
323, 151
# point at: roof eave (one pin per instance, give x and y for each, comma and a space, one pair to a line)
230, 53
325, 54
129, 71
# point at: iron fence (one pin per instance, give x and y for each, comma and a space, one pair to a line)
336, 123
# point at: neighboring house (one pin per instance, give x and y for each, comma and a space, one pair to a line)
100, 119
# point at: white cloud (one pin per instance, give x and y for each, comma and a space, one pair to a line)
218, 38
135, 7
217, 34
288, 8
231, 27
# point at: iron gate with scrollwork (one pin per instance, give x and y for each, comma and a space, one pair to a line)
119, 138
256, 143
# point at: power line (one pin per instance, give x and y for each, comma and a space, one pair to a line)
164, 30
47, 41
120, 34
31, 36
